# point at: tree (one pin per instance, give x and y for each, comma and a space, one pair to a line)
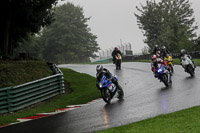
30, 45
169, 23
22, 17
68, 39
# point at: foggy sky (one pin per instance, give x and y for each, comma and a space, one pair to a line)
113, 21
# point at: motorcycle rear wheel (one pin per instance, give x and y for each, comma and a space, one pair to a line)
118, 64
120, 92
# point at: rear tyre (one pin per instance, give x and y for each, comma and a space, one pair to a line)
120, 92
118, 64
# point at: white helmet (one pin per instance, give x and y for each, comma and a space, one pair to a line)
182, 51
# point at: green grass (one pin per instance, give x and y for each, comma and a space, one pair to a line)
184, 121
176, 61
18, 72
83, 88
197, 62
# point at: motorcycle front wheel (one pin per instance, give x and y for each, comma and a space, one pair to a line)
165, 79
191, 70
106, 95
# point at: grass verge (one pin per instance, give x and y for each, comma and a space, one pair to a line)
83, 89
14, 73
184, 121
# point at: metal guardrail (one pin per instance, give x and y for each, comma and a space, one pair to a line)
21, 96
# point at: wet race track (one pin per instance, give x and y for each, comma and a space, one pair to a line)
144, 97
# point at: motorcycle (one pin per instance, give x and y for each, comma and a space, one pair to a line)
118, 61
163, 74
188, 65
109, 90
169, 61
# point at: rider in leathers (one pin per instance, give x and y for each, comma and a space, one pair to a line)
156, 51
154, 64
164, 52
103, 71
115, 52
182, 54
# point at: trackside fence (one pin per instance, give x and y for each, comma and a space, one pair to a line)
21, 96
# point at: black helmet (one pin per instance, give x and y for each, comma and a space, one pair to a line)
99, 68
182, 51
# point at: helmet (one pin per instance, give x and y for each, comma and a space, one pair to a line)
116, 48
163, 47
154, 58
182, 51
156, 48
99, 68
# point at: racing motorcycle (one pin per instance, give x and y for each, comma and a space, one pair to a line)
109, 90
163, 74
169, 61
187, 64
118, 61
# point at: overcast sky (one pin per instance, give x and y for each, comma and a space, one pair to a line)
112, 20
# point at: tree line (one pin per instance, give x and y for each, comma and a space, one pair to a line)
21, 17
60, 34
170, 23
67, 40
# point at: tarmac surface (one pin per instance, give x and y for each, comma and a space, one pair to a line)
144, 97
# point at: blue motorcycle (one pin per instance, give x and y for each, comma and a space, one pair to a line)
109, 90
163, 74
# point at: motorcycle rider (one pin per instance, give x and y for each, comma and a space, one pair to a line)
164, 52
154, 63
115, 52
103, 71
183, 53
156, 51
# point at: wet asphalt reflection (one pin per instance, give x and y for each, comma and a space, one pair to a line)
144, 97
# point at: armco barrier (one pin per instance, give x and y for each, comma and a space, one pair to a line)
21, 96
